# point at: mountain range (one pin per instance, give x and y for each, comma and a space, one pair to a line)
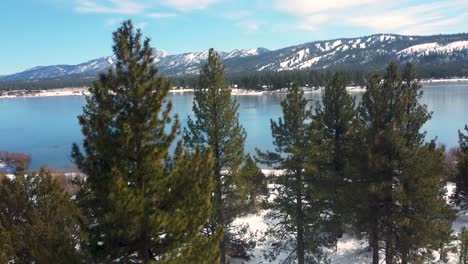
370, 52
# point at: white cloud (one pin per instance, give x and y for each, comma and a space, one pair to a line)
421, 19
313, 22
375, 15
189, 5
307, 7
126, 7
161, 15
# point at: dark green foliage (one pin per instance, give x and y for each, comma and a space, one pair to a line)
421, 206
254, 180
461, 178
402, 182
38, 221
216, 126
142, 205
463, 247
334, 119
298, 208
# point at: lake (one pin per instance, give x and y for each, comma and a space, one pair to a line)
45, 127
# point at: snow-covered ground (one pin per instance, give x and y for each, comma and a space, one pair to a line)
444, 80
53, 92
349, 249
234, 91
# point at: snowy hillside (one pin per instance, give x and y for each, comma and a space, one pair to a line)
370, 52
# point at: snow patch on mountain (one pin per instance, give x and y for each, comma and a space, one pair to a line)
241, 53
434, 47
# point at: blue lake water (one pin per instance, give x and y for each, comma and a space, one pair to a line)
46, 127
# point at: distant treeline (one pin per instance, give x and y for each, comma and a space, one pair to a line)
262, 80
273, 80
45, 84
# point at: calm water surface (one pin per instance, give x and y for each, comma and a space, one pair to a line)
46, 127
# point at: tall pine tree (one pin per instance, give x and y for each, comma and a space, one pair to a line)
403, 175
216, 126
302, 228
142, 205
334, 118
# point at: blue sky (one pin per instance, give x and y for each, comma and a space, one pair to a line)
45, 32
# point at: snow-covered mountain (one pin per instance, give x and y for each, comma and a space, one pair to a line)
186, 63
370, 52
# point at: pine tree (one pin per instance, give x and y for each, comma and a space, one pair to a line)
421, 206
38, 221
303, 228
216, 126
142, 205
403, 174
334, 118
253, 178
463, 247
461, 178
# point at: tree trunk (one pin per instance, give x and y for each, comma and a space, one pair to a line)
388, 229
219, 201
220, 220
299, 220
388, 250
404, 258
145, 250
374, 239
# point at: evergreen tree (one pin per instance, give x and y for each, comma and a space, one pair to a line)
141, 204
334, 118
402, 174
38, 221
420, 205
216, 126
463, 247
301, 213
253, 179
461, 178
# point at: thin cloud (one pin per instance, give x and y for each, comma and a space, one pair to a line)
189, 5
125, 7
421, 19
375, 15
161, 15
307, 7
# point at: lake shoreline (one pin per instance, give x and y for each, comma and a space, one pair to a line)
83, 91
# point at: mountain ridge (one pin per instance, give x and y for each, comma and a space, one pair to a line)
368, 52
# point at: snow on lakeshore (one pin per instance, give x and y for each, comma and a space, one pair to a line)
234, 92
451, 80
51, 92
